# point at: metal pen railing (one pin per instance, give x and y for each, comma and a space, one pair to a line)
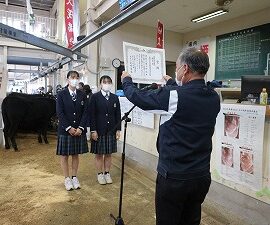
44, 27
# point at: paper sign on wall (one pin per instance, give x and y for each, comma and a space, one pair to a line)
239, 137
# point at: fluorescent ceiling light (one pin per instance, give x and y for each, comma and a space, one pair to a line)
209, 16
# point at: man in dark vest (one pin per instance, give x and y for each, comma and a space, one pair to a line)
185, 135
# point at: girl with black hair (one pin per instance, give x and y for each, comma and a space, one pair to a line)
71, 107
105, 115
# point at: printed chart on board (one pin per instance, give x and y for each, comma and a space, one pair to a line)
145, 65
239, 136
138, 116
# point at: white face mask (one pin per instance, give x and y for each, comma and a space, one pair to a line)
106, 87
73, 82
179, 83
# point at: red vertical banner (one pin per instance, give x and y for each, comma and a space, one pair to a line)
69, 13
160, 35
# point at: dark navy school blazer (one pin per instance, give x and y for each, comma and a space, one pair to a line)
185, 134
104, 114
71, 113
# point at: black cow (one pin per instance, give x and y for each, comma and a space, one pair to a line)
26, 112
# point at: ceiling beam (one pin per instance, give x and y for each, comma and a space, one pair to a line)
128, 14
18, 60
55, 66
41, 5
22, 36
22, 71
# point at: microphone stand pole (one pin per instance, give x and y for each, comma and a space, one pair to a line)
119, 220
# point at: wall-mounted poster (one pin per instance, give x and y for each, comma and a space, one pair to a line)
239, 137
202, 43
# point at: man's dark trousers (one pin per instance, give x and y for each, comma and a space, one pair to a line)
178, 202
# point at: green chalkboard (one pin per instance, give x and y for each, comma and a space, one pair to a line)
243, 52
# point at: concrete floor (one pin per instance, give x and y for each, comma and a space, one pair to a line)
212, 213
32, 191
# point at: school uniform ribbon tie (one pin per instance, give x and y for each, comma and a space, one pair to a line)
73, 95
107, 96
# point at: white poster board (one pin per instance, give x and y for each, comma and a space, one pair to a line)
138, 116
145, 65
125, 106
143, 118
240, 131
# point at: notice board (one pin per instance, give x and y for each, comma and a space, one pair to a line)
138, 116
242, 52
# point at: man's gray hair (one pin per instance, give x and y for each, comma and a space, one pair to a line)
196, 60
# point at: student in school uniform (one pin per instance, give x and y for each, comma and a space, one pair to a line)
105, 115
80, 86
71, 107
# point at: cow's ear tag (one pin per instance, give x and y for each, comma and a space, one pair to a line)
82, 102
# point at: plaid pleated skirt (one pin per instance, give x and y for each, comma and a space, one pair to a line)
71, 145
106, 144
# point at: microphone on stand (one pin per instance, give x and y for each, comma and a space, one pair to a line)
119, 220
152, 86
